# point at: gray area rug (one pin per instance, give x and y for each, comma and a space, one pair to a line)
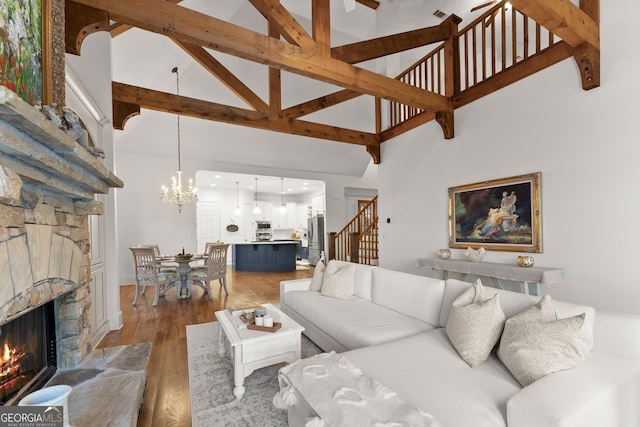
211, 384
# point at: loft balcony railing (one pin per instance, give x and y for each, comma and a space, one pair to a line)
499, 40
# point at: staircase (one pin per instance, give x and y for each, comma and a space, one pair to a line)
358, 240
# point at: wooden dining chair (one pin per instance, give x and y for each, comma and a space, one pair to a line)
207, 246
210, 244
156, 249
148, 274
161, 266
215, 268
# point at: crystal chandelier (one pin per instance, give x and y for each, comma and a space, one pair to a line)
179, 196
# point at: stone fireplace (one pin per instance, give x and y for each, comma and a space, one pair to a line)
47, 187
28, 352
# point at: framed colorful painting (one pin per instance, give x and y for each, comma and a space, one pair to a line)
25, 49
503, 214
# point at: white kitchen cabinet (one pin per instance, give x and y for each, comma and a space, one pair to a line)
302, 214
287, 219
291, 215
266, 212
278, 220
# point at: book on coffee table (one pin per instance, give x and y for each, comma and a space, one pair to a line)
237, 309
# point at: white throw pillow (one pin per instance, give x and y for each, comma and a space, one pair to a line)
339, 280
535, 343
475, 324
318, 275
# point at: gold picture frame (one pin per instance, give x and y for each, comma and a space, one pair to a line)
501, 214
26, 49
47, 52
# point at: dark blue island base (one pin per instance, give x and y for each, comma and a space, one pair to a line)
264, 256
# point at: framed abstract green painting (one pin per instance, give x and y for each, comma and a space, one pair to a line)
25, 49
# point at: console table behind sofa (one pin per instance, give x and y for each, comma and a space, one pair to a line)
530, 278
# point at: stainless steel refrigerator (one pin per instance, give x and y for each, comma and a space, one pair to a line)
315, 234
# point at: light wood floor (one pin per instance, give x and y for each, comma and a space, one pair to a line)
166, 396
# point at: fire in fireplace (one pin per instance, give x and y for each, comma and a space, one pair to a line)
27, 353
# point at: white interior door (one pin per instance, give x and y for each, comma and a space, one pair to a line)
97, 285
208, 224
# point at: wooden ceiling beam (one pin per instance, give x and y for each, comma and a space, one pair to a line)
203, 30
383, 46
563, 19
223, 74
172, 103
321, 25
81, 21
373, 4
286, 25
122, 112
117, 28
275, 78
319, 103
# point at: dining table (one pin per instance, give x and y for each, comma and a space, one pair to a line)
184, 267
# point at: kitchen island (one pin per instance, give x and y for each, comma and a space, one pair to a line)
265, 255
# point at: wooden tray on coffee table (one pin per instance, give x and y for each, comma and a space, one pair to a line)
275, 327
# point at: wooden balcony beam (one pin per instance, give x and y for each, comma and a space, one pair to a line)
562, 18
578, 28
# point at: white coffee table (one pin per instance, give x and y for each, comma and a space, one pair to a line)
253, 349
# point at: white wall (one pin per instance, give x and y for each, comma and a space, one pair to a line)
584, 143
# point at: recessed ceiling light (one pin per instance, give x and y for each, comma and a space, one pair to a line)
213, 185
218, 177
290, 189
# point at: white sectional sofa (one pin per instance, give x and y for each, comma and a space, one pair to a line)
393, 329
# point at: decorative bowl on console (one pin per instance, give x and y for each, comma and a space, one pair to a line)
475, 255
525, 261
444, 253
